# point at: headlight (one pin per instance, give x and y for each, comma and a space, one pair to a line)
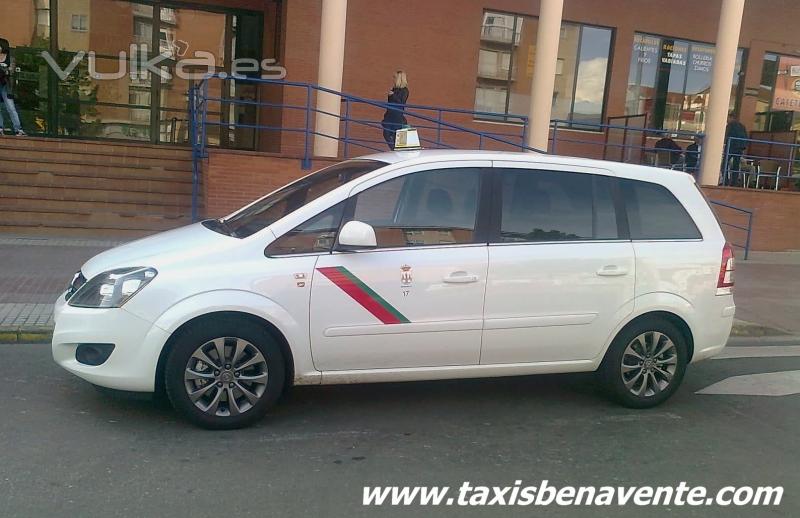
113, 288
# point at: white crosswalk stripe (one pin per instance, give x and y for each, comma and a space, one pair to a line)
784, 383
763, 351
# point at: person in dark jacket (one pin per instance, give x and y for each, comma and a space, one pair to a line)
734, 146
6, 69
665, 143
692, 156
394, 119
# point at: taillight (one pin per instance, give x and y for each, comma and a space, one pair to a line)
725, 280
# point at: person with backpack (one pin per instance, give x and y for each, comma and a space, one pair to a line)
6, 70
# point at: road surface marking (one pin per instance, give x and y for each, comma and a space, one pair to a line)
764, 351
784, 383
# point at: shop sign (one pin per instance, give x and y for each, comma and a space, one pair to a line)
787, 86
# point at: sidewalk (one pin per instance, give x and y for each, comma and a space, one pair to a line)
767, 290
34, 271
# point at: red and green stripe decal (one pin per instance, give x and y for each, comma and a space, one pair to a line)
363, 294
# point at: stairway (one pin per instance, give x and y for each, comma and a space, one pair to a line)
92, 188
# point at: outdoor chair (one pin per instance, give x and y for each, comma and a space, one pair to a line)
768, 169
747, 172
664, 160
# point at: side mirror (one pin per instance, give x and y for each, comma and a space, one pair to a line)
356, 235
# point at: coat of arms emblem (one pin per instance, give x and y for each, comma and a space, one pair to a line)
405, 276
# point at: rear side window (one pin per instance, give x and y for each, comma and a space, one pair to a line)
655, 213
556, 206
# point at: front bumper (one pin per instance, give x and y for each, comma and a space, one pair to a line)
137, 346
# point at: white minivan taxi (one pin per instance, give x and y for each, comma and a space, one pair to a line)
409, 266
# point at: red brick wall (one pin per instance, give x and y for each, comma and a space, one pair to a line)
437, 43
232, 179
775, 219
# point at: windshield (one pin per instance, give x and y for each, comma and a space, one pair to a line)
270, 209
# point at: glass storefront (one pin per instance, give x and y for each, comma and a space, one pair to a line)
778, 101
115, 38
670, 81
506, 67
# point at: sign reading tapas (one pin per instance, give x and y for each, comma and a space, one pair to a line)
673, 53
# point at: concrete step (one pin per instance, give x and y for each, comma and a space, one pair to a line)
93, 194
77, 168
68, 181
100, 147
74, 232
11, 219
92, 188
92, 208
109, 160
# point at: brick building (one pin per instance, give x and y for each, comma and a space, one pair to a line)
614, 58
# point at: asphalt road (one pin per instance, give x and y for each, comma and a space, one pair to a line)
69, 450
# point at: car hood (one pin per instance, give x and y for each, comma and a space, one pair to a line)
178, 245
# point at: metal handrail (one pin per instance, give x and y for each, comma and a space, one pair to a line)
348, 98
748, 228
199, 100
789, 160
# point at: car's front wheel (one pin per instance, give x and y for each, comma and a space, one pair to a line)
645, 364
225, 373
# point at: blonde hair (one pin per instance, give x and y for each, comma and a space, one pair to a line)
400, 79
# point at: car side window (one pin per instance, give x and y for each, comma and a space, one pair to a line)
316, 235
655, 213
543, 206
437, 207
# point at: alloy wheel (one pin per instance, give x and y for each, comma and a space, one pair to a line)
649, 364
226, 376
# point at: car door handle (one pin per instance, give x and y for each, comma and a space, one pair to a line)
612, 270
460, 278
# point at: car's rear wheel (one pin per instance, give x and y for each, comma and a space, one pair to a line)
645, 364
225, 373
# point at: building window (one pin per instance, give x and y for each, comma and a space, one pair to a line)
506, 67
670, 80
80, 22
778, 102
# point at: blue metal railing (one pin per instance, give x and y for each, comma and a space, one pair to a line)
747, 157
356, 129
425, 117
748, 229
644, 152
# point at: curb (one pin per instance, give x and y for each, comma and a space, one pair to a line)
25, 334
735, 341
741, 334
744, 329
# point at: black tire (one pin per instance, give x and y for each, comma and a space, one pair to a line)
229, 329
654, 392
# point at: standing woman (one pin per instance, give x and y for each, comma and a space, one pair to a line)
394, 119
6, 68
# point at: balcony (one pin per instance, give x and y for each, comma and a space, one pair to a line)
499, 34
485, 72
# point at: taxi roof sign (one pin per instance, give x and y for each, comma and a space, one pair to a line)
406, 139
